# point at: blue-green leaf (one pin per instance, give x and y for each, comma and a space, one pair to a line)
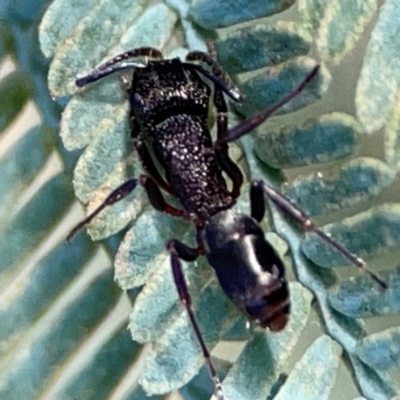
213, 14
176, 356
103, 156
255, 373
153, 28
22, 12
5, 40
55, 28
319, 140
368, 234
381, 350
338, 24
312, 12
268, 86
105, 165
314, 375
25, 372
32, 223
19, 167
356, 182
161, 297
362, 298
392, 138
375, 384
122, 29
27, 298
15, 90
92, 113
380, 75
260, 45
138, 255
115, 355
156, 303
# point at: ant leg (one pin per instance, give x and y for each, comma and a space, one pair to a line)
210, 59
138, 52
257, 203
227, 165
253, 122
260, 189
218, 75
116, 195
152, 190
179, 250
149, 166
225, 161
98, 74
146, 159
108, 67
232, 92
156, 198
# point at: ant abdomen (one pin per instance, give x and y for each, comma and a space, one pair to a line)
248, 268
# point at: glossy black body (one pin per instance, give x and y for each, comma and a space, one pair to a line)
248, 268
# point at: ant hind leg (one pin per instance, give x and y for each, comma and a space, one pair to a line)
177, 251
260, 189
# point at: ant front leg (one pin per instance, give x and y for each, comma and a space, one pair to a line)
179, 250
110, 66
259, 189
210, 58
217, 75
153, 192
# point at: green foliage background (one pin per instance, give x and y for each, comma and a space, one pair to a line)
63, 318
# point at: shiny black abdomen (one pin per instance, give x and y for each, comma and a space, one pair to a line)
248, 268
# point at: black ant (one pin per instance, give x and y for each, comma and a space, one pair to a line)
169, 103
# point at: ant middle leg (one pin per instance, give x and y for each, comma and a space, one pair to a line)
179, 250
231, 169
227, 165
260, 189
153, 192
251, 123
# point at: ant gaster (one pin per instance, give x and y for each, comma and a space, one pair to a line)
169, 103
